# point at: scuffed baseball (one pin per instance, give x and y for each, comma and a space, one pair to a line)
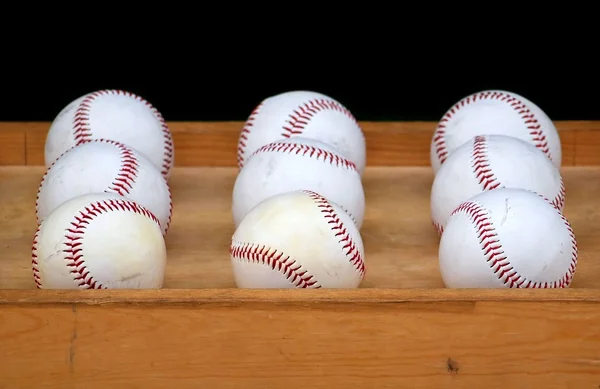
99, 241
298, 164
116, 115
297, 240
303, 113
494, 112
489, 162
105, 166
507, 238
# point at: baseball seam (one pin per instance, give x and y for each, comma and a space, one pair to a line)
125, 179
278, 261
296, 122
341, 232
34, 259
122, 183
311, 152
488, 180
308, 151
72, 246
82, 129
484, 173
496, 258
535, 128
245, 133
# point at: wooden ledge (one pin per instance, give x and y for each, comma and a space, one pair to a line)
366, 296
215, 143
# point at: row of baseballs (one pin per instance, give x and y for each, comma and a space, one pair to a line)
298, 201
497, 197
297, 150
104, 204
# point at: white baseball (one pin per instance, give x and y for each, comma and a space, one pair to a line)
509, 238
494, 112
307, 114
117, 115
99, 241
297, 240
105, 166
488, 162
296, 164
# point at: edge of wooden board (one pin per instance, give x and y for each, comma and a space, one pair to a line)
290, 296
388, 143
328, 338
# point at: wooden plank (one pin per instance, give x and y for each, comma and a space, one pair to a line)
36, 139
287, 297
13, 146
276, 339
214, 143
397, 231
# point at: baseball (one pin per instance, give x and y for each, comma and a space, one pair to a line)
117, 115
489, 162
105, 166
307, 114
296, 164
297, 240
99, 241
494, 112
507, 238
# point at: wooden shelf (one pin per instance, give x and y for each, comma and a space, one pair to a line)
400, 242
388, 143
402, 328
369, 338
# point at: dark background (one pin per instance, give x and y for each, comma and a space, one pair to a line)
383, 63
381, 89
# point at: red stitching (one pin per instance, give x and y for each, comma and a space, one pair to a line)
310, 151
481, 165
559, 200
170, 213
438, 227
498, 261
276, 260
296, 122
128, 172
74, 239
487, 179
341, 232
83, 132
534, 127
301, 116
483, 171
34, 260
125, 179
244, 135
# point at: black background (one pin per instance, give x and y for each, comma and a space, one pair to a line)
383, 63
384, 88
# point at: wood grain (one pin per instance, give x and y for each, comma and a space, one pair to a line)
280, 339
215, 143
400, 329
400, 243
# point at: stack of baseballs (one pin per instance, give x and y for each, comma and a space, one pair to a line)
498, 195
104, 205
298, 200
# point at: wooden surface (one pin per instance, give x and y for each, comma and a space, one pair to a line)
400, 329
400, 243
517, 339
215, 143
